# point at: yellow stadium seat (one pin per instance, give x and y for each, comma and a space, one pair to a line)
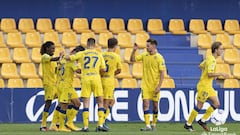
14, 40
231, 56
176, 26
69, 39
141, 39
197, 26
9, 70
223, 68
8, 25
166, 75
34, 83
52, 36
219, 59
2, 43
40, 70
168, 83
85, 36
236, 40
2, 84
26, 25
116, 83
231, 83
118, 51
21, 55
44, 25
36, 56
127, 54
62, 25
236, 71
99, 25
215, 26
103, 39
135, 25
15, 83
125, 72
225, 40
129, 83
125, 40
58, 50
155, 26
232, 26
137, 70
117, 25
81, 25
5, 55
204, 41
76, 82
28, 70
33, 39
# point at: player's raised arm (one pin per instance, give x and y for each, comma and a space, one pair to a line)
132, 58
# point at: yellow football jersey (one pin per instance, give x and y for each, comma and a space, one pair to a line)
152, 65
113, 62
208, 66
91, 62
66, 72
48, 70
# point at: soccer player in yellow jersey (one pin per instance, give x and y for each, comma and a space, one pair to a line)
92, 63
49, 79
205, 89
153, 75
113, 67
67, 93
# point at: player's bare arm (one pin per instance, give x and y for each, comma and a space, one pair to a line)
132, 58
218, 74
118, 71
157, 90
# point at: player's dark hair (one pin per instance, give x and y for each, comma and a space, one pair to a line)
91, 42
215, 46
112, 42
78, 48
152, 41
45, 46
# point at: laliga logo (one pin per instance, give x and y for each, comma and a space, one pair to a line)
30, 107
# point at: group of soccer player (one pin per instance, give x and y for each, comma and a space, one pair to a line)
97, 76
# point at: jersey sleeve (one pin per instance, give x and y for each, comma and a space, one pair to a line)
76, 56
211, 64
139, 57
46, 58
119, 63
103, 65
75, 66
202, 64
161, 64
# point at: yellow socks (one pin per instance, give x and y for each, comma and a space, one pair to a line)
71, 114
62, 117
147, 117
101, 116
208, 113
155, 118
107, 112
44, 118
193, 115
85, 115
55, 116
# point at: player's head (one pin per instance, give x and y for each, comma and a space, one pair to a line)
48, 48
77, 49
151, 45
112, 43
217, 48
91, 42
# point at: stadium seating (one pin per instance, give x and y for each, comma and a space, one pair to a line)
36, 56
69, 39
103, 39
33, 39
135, 25
127, 54
14, 40
155, 26
141, 39
2, 43
223, 68
8, 25
219, 59
236, 71
232, 26
125, 40
129, 83
28, 70
168, 83
5, 55
231, 56
44, 25
236, 40
15, 83
225, 40
2, 84
204, 41
80, 25
21, 55
34, 83
62, 25
26, 25
116, 84
52, 36
99, 25
85, 36
40, 70
231, 83
137, 70
9, 70
176, 26
125, 73
117, 25
58, 50
215, 26
197, 26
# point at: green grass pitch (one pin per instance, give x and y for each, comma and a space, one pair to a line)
129, 128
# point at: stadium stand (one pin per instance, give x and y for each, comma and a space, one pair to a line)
34, 83
44, 25
176, 26
232, 26
5, 56
80, 25
117, 25
33, 39
129, 83
135, 25
214, 26
197, 26
69, 39
26, 25
2, 43
231, 83
15, 83
155, 26
62, 25
99, 25
103, 39
14, 39
8, 25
